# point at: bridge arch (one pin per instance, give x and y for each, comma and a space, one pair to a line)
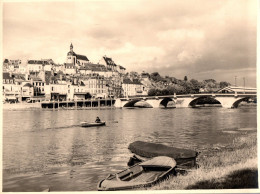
238, 101
131, 103
195, 101
164, 102
135, 103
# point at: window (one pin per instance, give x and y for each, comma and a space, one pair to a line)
51, 88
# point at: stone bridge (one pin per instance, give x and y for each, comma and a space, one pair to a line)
187, 100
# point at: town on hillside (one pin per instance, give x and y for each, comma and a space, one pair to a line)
79, 79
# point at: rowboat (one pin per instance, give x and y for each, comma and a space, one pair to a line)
140, 175
145, 150
86, 124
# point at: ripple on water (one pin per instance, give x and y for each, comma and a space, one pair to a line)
77, 158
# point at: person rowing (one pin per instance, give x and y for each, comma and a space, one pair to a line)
98, 120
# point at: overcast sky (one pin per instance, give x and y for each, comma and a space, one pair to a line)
203, 39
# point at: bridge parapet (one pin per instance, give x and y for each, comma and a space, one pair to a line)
227, 100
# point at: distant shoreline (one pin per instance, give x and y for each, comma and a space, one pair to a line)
21, 106
28, 106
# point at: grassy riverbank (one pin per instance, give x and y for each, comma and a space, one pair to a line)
230, 166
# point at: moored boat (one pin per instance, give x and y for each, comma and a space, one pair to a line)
140, 175
146, 150
94, 124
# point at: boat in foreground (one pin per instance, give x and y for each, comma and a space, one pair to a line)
145, 150
86, 124
143, 174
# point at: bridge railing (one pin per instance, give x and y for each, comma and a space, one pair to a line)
191, 95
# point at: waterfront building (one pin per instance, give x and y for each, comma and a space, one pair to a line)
16, 87
97, 86
38, 86
133, 88
114, 84
56, 91
78, 91
27, 91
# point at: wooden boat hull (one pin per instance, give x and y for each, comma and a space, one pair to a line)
86, 124
181, 162
146, 150
143, 174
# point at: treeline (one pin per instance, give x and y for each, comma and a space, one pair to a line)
170, 85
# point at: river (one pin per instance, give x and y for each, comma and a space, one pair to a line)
48, 149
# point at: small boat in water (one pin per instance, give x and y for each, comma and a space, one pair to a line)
94, 124
143, 174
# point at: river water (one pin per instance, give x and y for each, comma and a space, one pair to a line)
48, 149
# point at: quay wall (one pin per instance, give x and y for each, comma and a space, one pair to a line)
78, 104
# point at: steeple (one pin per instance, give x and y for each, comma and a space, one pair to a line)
71, 48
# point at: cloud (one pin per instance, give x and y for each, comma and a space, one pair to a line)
174, 37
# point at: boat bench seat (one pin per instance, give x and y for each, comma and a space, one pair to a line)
125, 175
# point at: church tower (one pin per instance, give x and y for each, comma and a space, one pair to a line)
71, 56
71, 48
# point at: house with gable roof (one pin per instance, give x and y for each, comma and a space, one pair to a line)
109, 63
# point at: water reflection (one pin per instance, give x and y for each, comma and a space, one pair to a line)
49, 148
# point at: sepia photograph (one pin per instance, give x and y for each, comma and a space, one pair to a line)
132, 95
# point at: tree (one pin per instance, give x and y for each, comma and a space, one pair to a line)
156, 77
223, 84
195, 85
165, 92
152, 92
185, 78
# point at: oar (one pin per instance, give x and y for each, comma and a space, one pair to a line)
112, 121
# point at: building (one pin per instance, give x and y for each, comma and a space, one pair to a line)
36, 65
238, 90
121, 69
16, 88
76, 59
109, 63
133, 88
56, 91
38, 86
70, 69
77, 90
11, 65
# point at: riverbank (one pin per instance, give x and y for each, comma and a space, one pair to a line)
21, 106
230, 166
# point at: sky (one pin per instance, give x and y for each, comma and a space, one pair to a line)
200, 39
